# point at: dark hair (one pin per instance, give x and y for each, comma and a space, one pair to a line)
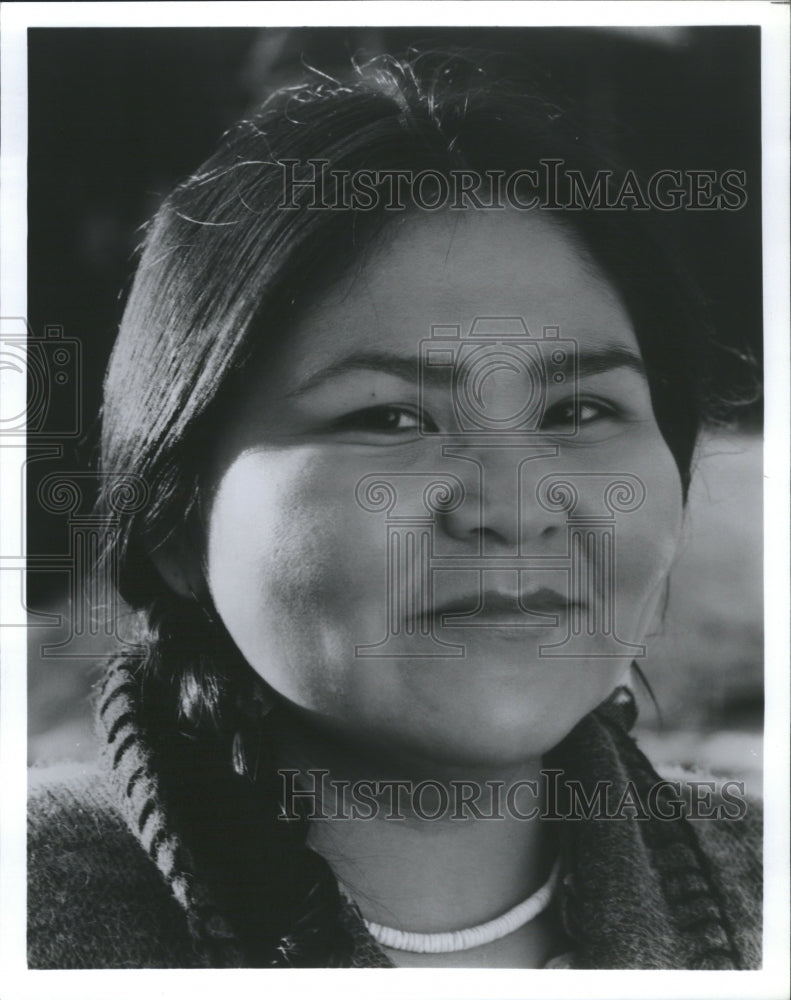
223, 270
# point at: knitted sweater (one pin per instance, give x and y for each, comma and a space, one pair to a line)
112, 883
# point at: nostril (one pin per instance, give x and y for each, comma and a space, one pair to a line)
487, 536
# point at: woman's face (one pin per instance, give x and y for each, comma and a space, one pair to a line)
342, 607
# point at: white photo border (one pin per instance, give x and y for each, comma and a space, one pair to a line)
18, 983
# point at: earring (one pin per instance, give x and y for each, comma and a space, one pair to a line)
249, 741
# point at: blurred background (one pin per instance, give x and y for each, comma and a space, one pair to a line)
118, 116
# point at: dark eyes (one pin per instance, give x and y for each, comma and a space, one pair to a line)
394, 420
584, 412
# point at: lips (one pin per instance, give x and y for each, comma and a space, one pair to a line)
492, 608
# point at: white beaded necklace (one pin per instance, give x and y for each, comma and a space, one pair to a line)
470, 937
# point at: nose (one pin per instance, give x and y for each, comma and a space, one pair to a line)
500, 512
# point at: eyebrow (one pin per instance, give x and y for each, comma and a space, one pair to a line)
598, 360
380, 361
590, 361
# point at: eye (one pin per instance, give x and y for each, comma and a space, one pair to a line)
384, 420
580, 414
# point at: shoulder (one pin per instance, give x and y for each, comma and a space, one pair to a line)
727, 821
733, 849
728, 826
95, 900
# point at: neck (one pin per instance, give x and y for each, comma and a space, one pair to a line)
424, 848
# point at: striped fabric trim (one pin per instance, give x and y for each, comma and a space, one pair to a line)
130, 763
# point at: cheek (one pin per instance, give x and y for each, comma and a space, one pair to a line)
648, 537
288, 556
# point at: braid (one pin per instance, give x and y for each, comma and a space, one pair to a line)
189, 751
131, 763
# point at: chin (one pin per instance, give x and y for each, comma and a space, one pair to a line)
470, 755
492, 734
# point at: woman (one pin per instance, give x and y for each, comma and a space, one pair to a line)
415, 452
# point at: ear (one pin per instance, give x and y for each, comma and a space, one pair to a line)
178, 564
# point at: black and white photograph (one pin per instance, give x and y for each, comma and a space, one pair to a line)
394, 455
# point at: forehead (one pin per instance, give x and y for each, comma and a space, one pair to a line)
449, 268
